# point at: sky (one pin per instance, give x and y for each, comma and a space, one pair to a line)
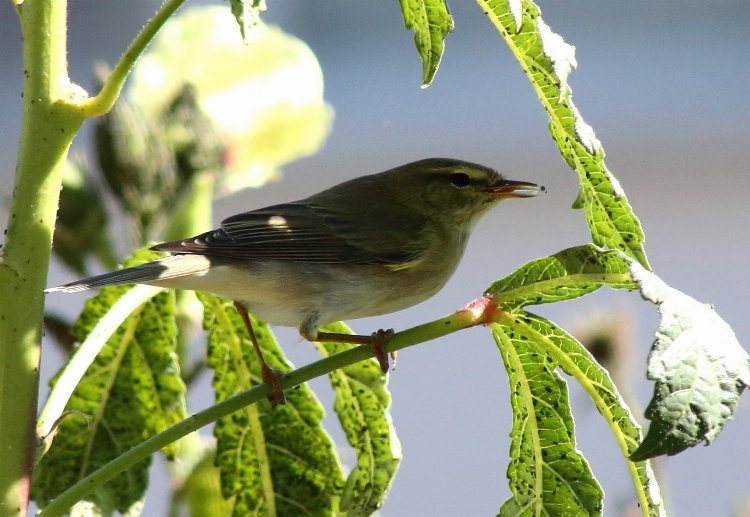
664, 85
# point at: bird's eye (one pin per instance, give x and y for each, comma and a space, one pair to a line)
459, 179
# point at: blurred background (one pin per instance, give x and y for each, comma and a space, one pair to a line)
664, 85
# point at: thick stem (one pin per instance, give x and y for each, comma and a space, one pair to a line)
48, 125
53, 111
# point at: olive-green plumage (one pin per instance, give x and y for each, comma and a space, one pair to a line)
369, 246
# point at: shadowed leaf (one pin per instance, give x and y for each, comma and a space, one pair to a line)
131, 391
699, 367
273, 460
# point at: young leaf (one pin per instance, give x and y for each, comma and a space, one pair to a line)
273, 460
563, 276
699, 367
547, 60
131, 391
362, 405
547, 475
431, 22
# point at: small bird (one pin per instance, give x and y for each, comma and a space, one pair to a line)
369, 246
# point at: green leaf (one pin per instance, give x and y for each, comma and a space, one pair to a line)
547, 60
699, 367
431, 22
362, 405
247, 14
532, 348
547, 475
563, 276
131, 391
272, 460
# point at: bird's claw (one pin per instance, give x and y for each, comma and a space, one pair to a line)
377, 341
273, 377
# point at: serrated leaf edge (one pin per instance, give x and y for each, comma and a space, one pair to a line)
561, 56
538, 501
648, 493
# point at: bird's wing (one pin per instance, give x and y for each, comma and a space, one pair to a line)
303, 232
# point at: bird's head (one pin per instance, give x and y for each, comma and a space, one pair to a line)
453, 190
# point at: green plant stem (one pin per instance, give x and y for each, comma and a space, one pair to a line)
48, 125
53, 110
105, 99
474, 314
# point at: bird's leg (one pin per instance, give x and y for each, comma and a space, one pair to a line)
269, 375
376, 341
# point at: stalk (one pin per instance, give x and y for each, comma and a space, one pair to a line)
48, 125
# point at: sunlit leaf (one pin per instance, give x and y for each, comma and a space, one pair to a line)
557, 347
563, 276
538, 347
431, 22
547, 475
547, 60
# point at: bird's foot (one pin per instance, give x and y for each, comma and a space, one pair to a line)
378, 340
273, 378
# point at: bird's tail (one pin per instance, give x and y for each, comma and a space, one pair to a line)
162, 269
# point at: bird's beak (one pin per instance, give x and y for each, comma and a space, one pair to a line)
509, 188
